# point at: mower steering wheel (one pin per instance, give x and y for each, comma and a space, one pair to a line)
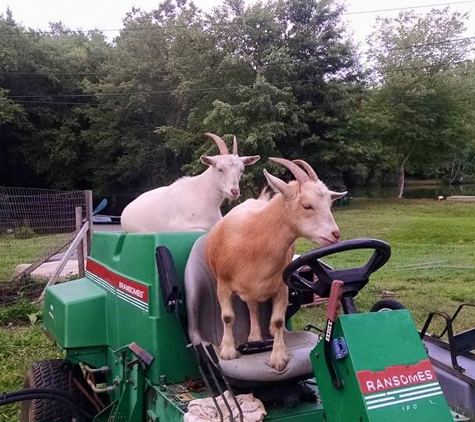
354, 279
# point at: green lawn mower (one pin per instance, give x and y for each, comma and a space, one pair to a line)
140, 334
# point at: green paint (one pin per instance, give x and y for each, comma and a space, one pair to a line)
86, 314
304, 412
377, 341
71, 310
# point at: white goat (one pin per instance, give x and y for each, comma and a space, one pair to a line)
249, 248
190, 203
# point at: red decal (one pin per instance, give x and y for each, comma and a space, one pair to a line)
132, 288
396, 377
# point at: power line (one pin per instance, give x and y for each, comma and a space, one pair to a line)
218, 24
243, 66
167, 91
433, 43
321, 105
52, 103
219, 88
406, 8
42, 102
442, 66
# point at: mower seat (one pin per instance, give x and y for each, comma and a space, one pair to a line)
205, 327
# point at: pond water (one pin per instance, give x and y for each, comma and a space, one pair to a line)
117, 202
414, 191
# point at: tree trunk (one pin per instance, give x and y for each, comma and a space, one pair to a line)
402, 166
400, 181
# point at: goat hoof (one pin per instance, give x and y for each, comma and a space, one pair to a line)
254, 337
279, 362
229, 353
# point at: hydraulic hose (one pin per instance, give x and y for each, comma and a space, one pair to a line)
46, 394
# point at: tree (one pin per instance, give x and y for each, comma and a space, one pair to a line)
12, 118
417, 99
136, 95
43, 75
131, 115
281, 80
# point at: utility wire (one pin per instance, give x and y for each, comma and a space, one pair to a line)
231, 67
167, 91
326, 104
432, 43
442, 66
394, 9
218, 24
264, 65
243, 66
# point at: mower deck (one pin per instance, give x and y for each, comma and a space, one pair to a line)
458, 387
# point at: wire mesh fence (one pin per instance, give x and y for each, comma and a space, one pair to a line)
36, 227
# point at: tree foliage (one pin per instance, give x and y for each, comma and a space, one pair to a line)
80, 111
418, 104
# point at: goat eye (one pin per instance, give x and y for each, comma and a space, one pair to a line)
307, 206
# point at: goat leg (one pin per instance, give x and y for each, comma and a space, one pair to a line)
228, 351
279, 356
255, 334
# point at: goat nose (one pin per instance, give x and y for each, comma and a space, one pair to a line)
336, 234
235, 192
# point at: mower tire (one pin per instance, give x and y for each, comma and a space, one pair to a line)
387, 305
57, 374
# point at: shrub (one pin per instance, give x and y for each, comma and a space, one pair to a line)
24, 232
20, 312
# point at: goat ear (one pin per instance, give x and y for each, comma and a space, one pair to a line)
247, 161
278, 185
209, 161
337, 195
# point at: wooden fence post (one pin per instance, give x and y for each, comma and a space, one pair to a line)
88, 195
80, 249
67, 256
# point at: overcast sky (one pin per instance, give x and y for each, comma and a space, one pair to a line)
108, 14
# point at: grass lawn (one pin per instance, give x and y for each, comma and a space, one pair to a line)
20, 347
432, 268
25, 251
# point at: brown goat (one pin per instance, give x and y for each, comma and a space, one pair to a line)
249, 248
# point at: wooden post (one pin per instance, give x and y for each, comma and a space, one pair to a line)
88, 195
55, 276
80, 249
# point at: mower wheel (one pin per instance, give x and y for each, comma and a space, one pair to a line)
387, 305
57, 374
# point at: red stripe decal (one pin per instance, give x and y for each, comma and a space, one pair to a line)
396, 377
129, 287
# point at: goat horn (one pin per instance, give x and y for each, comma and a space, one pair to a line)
310, 171
299, 174
235, 151
223, 149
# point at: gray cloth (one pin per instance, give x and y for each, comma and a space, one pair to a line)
205, 326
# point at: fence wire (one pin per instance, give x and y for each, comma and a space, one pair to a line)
36, 227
